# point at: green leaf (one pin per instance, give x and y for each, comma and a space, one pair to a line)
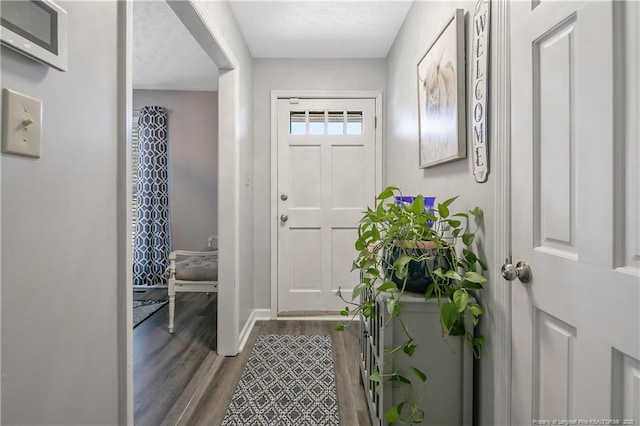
443, 211
467, 239
338, 327
429, 292
453, 275
458, 328
474, 277
391, 304
438, 273
483, 265
448, 313
372, 272
469, 256
454, 223
475, 309
387, 193
472, 286
360, 245
398, 378
409, 349
357, 290
420, 374
476, 211
345, 312
417, 207
375, 376
388, 286
375, 233
478, 340
448, 202
392, 415
449, 290
400, 265
460, 298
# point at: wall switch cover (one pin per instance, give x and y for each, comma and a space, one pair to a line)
21, 124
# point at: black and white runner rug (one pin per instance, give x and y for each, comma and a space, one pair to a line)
288, 380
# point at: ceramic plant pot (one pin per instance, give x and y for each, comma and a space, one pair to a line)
419, 272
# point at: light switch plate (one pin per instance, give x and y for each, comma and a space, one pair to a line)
21, 124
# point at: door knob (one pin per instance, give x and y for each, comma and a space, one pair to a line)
284, 197
284, 218
522, 271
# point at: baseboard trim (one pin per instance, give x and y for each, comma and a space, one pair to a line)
256, 315
313, 318
182, 411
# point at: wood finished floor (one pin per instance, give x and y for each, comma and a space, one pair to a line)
351, 397
179, 379
164, 365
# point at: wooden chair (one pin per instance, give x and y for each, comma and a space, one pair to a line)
195, 271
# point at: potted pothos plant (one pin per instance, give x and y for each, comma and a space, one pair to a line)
407, 247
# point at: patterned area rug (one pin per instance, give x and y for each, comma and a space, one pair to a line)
288, 380
143, 309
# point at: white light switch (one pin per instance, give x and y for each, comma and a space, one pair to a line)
21, 124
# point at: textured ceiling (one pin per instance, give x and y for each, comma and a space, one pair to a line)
320, 29
165, 54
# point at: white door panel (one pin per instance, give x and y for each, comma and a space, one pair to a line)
327, 170
576, 325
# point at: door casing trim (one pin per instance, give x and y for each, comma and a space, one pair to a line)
501, 143
311, 94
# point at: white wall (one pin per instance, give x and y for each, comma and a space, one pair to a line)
59, 235
193, 162
423, 23
293, 74
225, 21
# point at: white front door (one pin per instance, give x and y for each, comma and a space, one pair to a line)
326, 179
575, 212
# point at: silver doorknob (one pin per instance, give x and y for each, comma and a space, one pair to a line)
284, 218
522, 271
284, 197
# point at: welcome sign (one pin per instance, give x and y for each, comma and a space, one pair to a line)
479, 77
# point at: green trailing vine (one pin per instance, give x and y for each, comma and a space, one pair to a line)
394, 239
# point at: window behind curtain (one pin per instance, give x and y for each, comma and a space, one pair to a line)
134, 174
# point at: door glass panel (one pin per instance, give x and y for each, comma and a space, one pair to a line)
316, 122
297, 123
335, 122
354, 122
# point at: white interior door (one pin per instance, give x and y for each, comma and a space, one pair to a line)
575, 195
326, 178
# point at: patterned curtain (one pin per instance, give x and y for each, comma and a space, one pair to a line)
152, 243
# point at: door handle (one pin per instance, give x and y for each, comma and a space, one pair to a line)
522, 271
284, 218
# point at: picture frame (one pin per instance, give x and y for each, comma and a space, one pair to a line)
441, 96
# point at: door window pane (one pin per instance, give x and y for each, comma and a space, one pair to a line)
316, 122
335, 123
354, 122
297, 123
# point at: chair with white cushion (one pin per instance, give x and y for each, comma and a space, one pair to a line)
194, 271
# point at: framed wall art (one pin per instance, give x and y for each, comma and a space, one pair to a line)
441, 96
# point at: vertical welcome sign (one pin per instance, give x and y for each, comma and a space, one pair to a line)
479, 79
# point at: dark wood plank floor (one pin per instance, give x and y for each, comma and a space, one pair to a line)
165, 364
351, 397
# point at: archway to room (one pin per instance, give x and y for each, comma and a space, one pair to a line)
198, 24
174, 205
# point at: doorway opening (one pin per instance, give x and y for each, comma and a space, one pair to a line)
197, 21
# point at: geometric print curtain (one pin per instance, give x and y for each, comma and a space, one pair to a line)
152, 243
